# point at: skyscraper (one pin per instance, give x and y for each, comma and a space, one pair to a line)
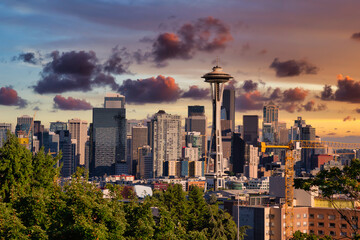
166, 140
78, 130
237, 153
4, 128
25, 130
251, 129
139, 139
57, 126
197, 122
109, 137
228, 105
270, 123
69, 156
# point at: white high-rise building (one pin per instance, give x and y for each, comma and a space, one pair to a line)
166, 140
78, 131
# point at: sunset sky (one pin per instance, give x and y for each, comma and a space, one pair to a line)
61, 57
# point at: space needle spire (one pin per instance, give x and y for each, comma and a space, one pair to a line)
217, 78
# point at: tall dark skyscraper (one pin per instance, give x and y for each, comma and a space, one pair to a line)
251, 129
139, 139
237, 153
109, 137
228, 104
69, 156
4, 128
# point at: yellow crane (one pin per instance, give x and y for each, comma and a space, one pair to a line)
289, 170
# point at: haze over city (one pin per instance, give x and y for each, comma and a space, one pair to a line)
60, 58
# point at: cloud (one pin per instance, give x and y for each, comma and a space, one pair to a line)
348, 90
9, 97
295, 95
205, 34
349, 118
28, 57
331, 134
250, 86
150, 90
356, 36
71, 103
357, 110
249, 101
36, 108
79, 71
292, 68
310, 106
196, 93
118, 62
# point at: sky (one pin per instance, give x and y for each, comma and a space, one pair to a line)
59, 58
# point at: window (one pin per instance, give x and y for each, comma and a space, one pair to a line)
343, 225
304, 231
305, 215
311, 216
304, 224
331, 217
311, 224
298, 224
321, 232
354, 218
297, 215
343, 234
320, 216
332, 233
311, 231
331, 225
320, 224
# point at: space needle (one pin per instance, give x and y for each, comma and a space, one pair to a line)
217, 78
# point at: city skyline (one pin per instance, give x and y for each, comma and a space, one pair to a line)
298, 47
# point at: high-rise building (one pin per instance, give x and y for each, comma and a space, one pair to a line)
57, 126
196, 111
197, 123
270, 123
251, 129
38, 131
78, 131
190, 153
145, 162
139, 139
4, 128
69, 156
251, 161
166, 140
51, 143
196, 140
109, 137
25, 130
228, 104
237, 153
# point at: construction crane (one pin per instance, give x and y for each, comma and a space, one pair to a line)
24, 140
289, 170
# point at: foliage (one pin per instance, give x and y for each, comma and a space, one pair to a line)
304, 236
34, 205
338, 182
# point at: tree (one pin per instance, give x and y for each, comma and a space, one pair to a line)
336, 182
304, 236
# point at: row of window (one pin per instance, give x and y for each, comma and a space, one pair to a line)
330, 217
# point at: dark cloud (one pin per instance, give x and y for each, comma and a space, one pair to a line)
231, 84
71, 103
291, 107
295, 95
196, 93
310, 106
79, 71
356, 36
349, 118
9, 97
150, 90
28, 57
205, 34
331, 134
36, 108
357, 110
276, 94
250, 86
249, 101
118, 62
348, 90
292, 68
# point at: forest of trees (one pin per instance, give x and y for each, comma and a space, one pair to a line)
33, 205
